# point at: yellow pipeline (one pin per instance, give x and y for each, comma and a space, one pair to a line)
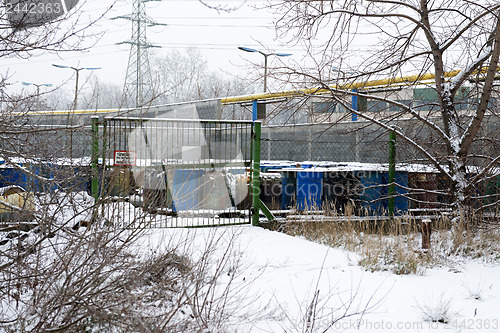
294, 93
356, 85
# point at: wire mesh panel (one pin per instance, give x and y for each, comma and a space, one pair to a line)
176, 173
320, 142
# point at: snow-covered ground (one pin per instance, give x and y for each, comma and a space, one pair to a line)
280, 283
284, 280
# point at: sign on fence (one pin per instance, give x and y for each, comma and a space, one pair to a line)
125, 158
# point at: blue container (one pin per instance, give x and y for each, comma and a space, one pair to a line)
14, 176
45, 171
288, 188
306, 165
401, 202
309, 190
19, 177
186, 187
372, 191
52, 177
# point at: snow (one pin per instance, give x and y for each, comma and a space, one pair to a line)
83, 161
283, 273
458, 79
279, 277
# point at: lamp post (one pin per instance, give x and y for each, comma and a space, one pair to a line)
77, 70
247, 49
37, 85
75, 103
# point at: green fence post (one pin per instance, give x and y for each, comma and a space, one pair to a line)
94, 186
256, 174
392, 174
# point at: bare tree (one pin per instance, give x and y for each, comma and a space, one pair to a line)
56, 275
109, 278
103, 96
186, 76
454, 43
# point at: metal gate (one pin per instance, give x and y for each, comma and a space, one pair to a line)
171, 172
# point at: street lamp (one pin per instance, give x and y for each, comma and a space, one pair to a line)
77, 70
247, 49
37, 85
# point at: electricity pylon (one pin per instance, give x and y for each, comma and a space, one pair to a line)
138, 86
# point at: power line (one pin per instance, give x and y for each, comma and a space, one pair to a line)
221, 18
218, 25
138, 85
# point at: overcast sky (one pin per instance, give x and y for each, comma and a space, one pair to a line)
217, 34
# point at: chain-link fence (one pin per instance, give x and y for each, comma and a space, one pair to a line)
363, 142
319, 142
61, 152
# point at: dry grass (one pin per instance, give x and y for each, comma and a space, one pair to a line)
396, 245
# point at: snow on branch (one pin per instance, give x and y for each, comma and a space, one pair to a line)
462, 75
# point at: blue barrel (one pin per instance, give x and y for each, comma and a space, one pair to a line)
401, 202
288, 188
186, 187
373, 190
309, 190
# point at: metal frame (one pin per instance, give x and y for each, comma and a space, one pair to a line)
172, 172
